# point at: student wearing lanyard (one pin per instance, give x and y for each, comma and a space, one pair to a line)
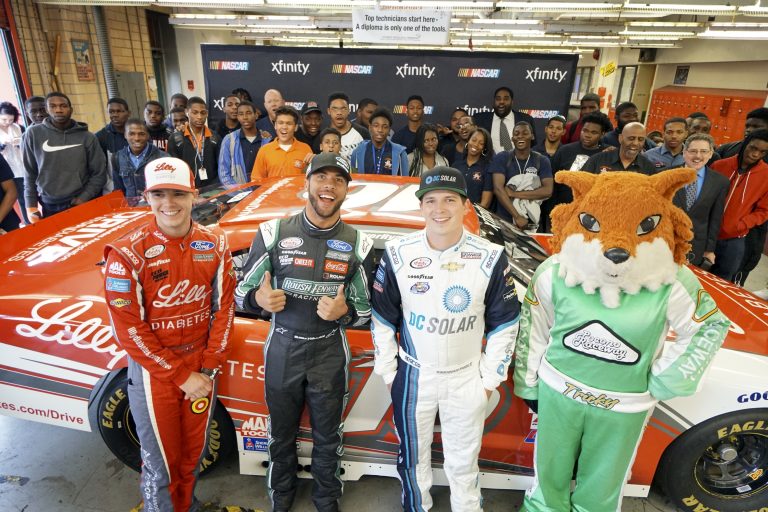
521, 160
197, 145
379, 155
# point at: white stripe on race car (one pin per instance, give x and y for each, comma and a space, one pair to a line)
54, 409
46, 365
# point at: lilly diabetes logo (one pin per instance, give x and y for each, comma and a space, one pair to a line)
228, 65
352, 69
282, 66
403, 109
479, 73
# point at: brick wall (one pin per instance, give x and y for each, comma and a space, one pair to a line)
38, 27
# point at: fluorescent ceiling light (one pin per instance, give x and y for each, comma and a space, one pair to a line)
504, 21
664, 24
480, 31
734, 34
559, 6
338, 5
738, 24
423, 4
654, 33
678, 8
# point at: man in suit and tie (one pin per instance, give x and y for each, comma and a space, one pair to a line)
502, 120
703, 200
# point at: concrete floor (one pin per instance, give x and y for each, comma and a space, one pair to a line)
45, 468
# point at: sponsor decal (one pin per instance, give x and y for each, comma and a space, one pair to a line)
222, 243
120, 303
352, 69
135, 235
420, 276
202, 257
538, 74
157, 263
738, 428
202, 245
255, 444
479, 73
336, 255
294, 253
160, 235
66, 326
601, 400
159, 274
200, 405
254, 205
255, 426
393, 255
116, 268
420, 287
181, 323
181, 294
406, 70
470, 255
595, 339
440, 178
339, 245
419, 263
52, 149
130, 255
377, 286
304, 262
530, 438
491, 259
380, 274
752, 397
337, 277
403, 109
452, 266
442, 326
365, 244
154, 251
291, 243
456, 299
285, 260
335, 266
228, 65
118, 285
282, 66
310, 287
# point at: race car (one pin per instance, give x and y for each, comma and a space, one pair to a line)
60, 364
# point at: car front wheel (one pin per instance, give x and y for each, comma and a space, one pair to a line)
719, 465
118, 430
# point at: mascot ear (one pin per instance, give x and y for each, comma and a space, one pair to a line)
668, 182
580, 182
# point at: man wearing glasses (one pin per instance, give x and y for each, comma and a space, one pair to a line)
352, 134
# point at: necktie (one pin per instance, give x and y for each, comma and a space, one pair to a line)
690, 195
504, 139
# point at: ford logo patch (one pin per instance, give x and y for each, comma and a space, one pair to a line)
339, 245
202, 245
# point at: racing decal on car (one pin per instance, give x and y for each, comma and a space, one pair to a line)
420, 263
339, 245
291, 243
255, 444
738, 428
116, 268
200, 405
597, 340
120, 303
202, 245
118, 285
154, 251
420, 287
335, 266
752, 397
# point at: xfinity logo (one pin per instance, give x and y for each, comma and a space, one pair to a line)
281, 67
408, 70
475, 110
545, 74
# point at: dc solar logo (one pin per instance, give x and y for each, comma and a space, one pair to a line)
456, 299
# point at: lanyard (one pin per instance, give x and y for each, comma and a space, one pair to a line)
377, 163
199, 147
525, 166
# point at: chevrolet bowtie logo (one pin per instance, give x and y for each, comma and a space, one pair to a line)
452, 266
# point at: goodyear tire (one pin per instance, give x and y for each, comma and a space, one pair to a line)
719, 465
118, 430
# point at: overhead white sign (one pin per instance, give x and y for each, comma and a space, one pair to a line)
401, 27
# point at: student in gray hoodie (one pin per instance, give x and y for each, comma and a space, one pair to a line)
63, 162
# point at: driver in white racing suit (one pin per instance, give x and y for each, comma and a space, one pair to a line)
444, 290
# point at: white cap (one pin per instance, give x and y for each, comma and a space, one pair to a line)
169, 172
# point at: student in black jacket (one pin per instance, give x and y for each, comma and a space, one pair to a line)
197, 145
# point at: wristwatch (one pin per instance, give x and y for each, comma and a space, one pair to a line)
345, 320
211, 373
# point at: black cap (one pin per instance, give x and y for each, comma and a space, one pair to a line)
310, 106
328, 160
442, 178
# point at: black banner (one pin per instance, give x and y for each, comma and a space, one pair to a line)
446, 80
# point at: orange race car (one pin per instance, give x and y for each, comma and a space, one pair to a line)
60, 364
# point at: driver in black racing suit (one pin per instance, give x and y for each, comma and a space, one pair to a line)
311, 272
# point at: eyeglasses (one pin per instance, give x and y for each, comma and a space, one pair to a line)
339, 109
697, 152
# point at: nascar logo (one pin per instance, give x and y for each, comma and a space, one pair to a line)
479, 73
227, 65
402, 109
352, 69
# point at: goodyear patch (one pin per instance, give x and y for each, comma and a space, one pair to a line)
118, 285
120, 303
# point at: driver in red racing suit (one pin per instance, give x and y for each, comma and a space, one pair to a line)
170, 293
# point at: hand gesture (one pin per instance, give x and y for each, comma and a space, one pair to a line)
333, 308
268, 298
196, 386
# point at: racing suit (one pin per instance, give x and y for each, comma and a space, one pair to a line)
597, 373
442, 303
171, 304
306, 358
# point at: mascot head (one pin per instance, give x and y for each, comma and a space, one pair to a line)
621, 232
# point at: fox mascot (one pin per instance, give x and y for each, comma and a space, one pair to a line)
591, 346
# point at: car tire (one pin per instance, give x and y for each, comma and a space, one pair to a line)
118, 430
721, 464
